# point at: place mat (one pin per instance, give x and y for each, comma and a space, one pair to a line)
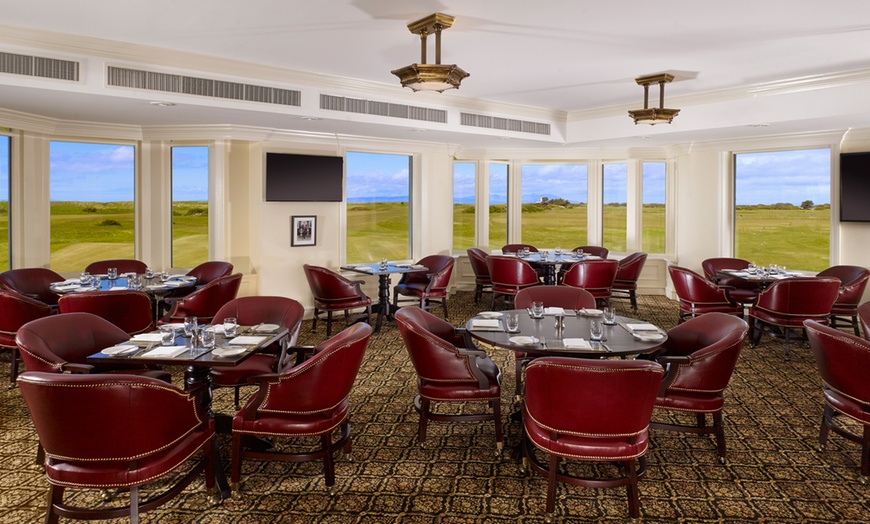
165, 352
247, 340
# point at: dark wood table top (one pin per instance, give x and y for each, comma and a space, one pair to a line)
152, 286
392, 268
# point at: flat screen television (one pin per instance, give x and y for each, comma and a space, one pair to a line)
304, 178
855, 187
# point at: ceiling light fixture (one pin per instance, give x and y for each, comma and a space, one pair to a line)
431, 77
653, 115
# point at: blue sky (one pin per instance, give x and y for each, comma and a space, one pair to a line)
4, 168
373, 177
792, 176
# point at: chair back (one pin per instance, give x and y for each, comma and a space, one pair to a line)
477, 257
88, 418
712, 266
796, 299
508, 249
250, 311
555, 296
15, 311
431, 347
843, 361
595, 276
32, 282
629, 268
510, 274
596, 251
864, 318
564, 394
46, 344
328, 286
208, 271
853, 281
437, 278
130, 310
692, 289
123, 265
205, 301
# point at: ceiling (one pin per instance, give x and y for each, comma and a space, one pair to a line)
569, 62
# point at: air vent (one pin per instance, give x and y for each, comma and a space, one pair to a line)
372, 107
189, 85
506, 124
39, 66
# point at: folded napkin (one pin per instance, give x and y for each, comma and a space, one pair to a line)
554, 311
166, 351
418, 266
156, 286
484, 323
70, 281
118, 288
403, 265
247, 341
66, 287
147, 337
174, 283
576, 343
737, 273
638, 328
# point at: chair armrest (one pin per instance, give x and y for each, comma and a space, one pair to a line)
672, 365
72, 367
357, 286
472, 356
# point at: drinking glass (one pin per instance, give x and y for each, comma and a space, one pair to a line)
230, 326
545, 255
149, 274
558, 251
95, 282
112, 273
208, 339
133, 281
384, 264
525, 251
596, 329
190, 325
167, 336
537, 309
609, 316
512, 320
85, 278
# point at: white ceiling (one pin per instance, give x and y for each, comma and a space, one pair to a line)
567, 61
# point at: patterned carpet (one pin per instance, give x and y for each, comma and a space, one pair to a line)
773, 474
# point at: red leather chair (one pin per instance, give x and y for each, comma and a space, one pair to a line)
509, 249
94, 440
740, 290
595, 276
32, 282
627, 273
482, 281
698, 295
15, 311
552, 296
566, 416
204, 273
332, 292
449, 369
251, 311
205, 301
123, 265
595, 251
429, 286
509, 275
783, 306
864, 318
130, 310
307, 400
853, 281
699, 358
844, 363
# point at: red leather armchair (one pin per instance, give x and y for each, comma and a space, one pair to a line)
123, 265
627, 273
32, 282
449, 369
15, 311
332, 292
205, 301
427, 287
565, 416
739, 289
129, 310
698, 295
509, 249
596, 251
699, 358
482, 281
251, 311
595, 276
204, 273
509, 275
853, 281
93, 440
864, 318
307, 400
844, 364
783, 306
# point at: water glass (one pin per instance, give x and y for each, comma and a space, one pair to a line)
545, 255
133, 281
95, 282
208, 339
525, 251
230, 326
85, 278
558, 251
609, 316
512, 321
384, 264
167, 336
190, 325
149, 274
596, 329
112, 273
537, 309
164, 276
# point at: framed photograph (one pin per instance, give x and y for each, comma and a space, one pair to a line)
303, 231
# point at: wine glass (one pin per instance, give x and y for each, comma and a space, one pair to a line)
190, 325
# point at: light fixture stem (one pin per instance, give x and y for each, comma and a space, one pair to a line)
661, 95
646, 96
437, 43
423, 35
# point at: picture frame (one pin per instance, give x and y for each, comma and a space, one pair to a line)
303, 230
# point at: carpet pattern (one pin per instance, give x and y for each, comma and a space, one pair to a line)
774, 472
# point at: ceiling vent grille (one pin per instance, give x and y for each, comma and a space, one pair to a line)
372, 107
505, 124
39, 66
189, 85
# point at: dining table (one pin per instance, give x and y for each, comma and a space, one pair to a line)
187, 351
384, 308
549, 263
760, 277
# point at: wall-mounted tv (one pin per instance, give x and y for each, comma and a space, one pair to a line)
304, 178
855, 187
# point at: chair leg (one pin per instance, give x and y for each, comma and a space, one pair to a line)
787, 343
424, 420
825, 428
134, 504
328, 462
865, 452
13, 369
478, 293
55, 497
499, 439
518, 388
328, 324
855, 325
551, 484
236, 461
236, 397
444, 305
314, 319
719, 425
632, 296
631, 489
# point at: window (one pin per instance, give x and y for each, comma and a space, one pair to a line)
782, 212
554, 198
189, 206
5, 173
615, 199
378, 207
498, 193
463, 205
653, 212
91, 203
